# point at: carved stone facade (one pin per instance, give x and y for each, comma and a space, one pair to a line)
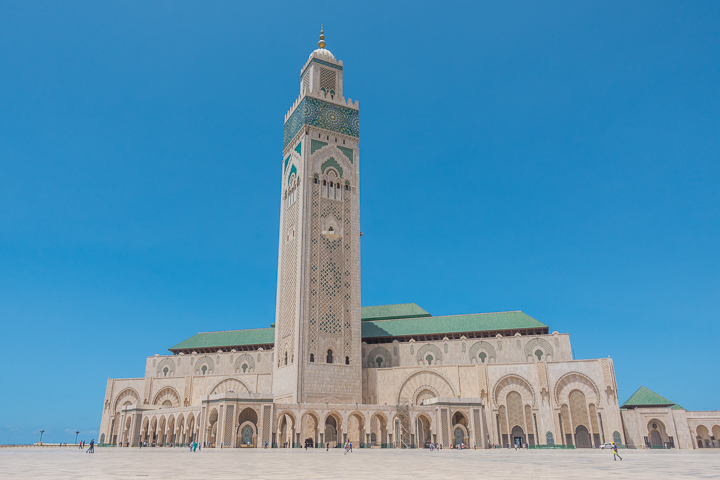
330, 372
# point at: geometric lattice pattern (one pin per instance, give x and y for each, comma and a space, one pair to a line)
528, 419
229, 418
327, 80
288, 272
330, 266
578, 409
515, 410
593, 418
306, 81
325, 115
266, 424
503, 420
445, 427
565, 415
476, 420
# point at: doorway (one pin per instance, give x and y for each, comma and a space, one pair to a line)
459, 436
582, 437
517, 435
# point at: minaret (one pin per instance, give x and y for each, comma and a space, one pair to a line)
317, 327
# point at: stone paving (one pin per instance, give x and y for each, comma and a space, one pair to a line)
179, 463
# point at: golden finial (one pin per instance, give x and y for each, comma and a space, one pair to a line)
321, 43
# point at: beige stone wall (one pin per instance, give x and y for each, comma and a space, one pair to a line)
225, 363
529, 395
516, 349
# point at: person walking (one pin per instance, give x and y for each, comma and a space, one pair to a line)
92, 446
327, 446
615, 452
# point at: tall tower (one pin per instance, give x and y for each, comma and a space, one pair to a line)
317, 326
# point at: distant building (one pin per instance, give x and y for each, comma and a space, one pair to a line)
329, 371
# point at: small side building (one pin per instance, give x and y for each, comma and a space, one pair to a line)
653, 421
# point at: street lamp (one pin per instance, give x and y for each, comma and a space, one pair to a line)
76, 435
41, 432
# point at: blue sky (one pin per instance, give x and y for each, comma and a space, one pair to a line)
559, 158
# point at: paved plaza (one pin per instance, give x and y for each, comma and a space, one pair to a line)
175, 463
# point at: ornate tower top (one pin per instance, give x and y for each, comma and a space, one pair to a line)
321, 43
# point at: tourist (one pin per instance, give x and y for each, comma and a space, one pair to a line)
327, 446
615, 452
266, 444
92, 447
351, 447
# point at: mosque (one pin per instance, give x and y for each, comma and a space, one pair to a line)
329, 371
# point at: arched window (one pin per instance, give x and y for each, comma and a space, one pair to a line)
165, 371
539, 354
429, 359
347, 360
244, 367
204, 369
331, 187
482, 357
329, 356
379, 361
312, 358
285, 358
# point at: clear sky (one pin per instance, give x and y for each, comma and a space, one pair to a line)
559, 158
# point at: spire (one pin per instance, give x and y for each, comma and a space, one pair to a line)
321, 43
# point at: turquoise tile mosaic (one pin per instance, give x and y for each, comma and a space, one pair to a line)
316, 145
348, 152
325, 115
293, 170
331, 162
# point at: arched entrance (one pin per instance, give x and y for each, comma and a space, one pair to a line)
309, 429
246, 435
582, 437
655, 439
378, 430
331, 431
517, 435
459, 422
286, 430
212, 428
424, 438
458, 436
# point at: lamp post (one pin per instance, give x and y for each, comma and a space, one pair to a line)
76, 435
41, 432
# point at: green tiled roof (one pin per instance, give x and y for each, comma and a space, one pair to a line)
374, 327
398, 310
644, 397
450, 324
230, 338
